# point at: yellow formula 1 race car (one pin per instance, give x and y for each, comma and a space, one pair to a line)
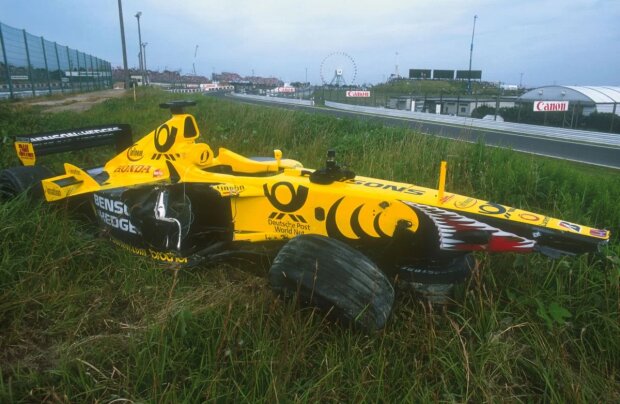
336, 239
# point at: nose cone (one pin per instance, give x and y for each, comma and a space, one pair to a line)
555, 243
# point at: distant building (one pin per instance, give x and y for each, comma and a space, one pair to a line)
590, 98
461, 106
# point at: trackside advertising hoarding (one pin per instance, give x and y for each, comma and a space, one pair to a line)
550, 106
358, 93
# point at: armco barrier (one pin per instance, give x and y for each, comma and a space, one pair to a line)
579, 136
279, 100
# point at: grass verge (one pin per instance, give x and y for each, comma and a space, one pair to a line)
82, 321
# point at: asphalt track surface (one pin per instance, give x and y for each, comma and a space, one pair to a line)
567, 150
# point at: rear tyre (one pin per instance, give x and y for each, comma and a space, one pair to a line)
326, 273
15, 181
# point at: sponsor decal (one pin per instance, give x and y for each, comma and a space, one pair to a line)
226, 190
465, 203
296, 197
25, 151
158, 173
293, 228
164, 138
550, 106
130, 248
204, 157
285, 89
333, 229
281, 215
119, 223
508, 214
75, 172
167, 257
134, 154
491, 208
546, 220
69, 135
53, 192
156, 255
167, 156
570, 226
137, 169
598, 233
358, 94
446, 198
388, 187
114, 214
529, 217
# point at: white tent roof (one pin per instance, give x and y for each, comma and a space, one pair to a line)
598, 94
593, 94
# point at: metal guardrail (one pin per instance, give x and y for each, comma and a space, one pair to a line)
275, 99
31, 66
578, 136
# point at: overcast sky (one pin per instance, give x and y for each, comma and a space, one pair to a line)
549, 41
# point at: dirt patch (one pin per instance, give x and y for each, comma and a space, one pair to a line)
76, 102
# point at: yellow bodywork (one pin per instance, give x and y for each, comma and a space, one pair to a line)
275, 199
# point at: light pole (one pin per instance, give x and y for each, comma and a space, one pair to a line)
146, 72
396, 65
138, 14
471, 51
125, 72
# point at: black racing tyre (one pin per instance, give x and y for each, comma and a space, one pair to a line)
326, 273
16, 180
448, 271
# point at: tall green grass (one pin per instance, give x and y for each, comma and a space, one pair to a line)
82, 321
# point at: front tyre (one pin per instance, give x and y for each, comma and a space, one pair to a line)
435, 280
328, 274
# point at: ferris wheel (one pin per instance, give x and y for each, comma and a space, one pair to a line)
339, 69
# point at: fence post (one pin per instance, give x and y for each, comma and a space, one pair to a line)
6, 64
47, 70
99, 85
28, 61
99, 76
110, 81
93, 83
62, 85
77, 53
496, 107
70, 70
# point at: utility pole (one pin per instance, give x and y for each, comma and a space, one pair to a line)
471, 52
194, 62
125, 72
141, 65
146, 73
396, 66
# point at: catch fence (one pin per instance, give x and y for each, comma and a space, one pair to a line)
31, 66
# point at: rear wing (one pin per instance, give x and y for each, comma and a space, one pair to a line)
28, 147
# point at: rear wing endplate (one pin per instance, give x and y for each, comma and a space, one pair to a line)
28, 147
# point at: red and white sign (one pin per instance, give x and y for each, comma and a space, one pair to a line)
363, 94
550, 106
285, 89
